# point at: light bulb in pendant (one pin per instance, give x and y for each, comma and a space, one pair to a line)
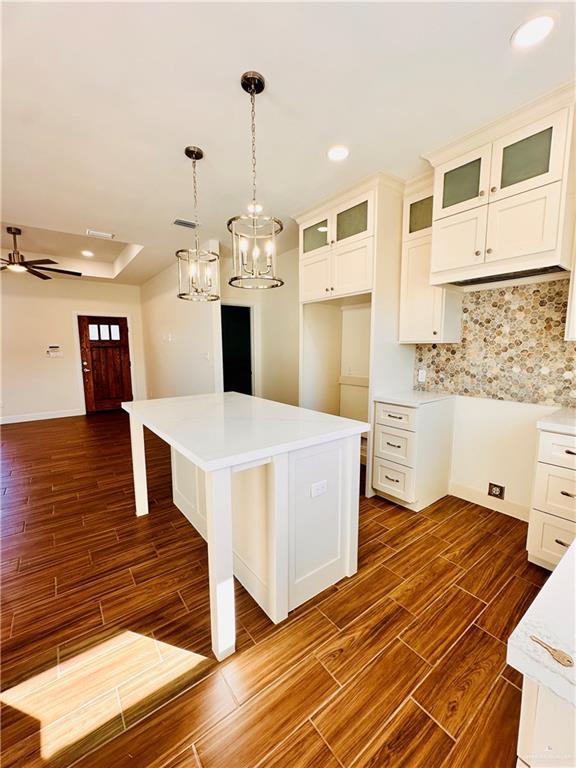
255, 252
243, 246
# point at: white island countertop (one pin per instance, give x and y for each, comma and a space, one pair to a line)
562, 421
227, 429
412, 398
552, 618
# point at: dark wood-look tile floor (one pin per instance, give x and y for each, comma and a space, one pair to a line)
105, 629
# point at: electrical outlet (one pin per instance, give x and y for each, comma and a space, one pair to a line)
421, 375
317, 489
496, 490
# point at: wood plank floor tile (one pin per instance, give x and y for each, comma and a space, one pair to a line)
411, 739
490, 739
254, 669
360, 710
304, 749
471, 547
251, 732
507, 608
415, 556
418, 592
407, 532
122, 556
372, 553
440, 625
487, 577
392, 517
353, 647
359, 595
444, 508
460, 524
532, 573
369, 529
513, 676
461, 681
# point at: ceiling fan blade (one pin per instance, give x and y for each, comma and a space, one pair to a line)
38, 274
61, 271
39, 261
3, 268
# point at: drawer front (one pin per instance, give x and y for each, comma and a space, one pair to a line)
549, 537
396, 416
555, 491
394, 479
559, 450
395, 445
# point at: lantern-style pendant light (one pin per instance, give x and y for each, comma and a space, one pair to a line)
253, 233
198, 278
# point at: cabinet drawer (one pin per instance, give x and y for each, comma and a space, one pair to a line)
559, 450
394, 479
555, 491
549, 537
396, 416
395, 445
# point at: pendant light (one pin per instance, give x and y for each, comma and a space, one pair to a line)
253, 233
197, 268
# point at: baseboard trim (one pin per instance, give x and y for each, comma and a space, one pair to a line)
477, 497
41, 416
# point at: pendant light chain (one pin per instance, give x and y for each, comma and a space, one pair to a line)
253, 119
195, 191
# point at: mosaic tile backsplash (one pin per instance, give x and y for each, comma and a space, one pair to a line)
512, 348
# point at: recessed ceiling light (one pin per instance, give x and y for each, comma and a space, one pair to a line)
87, 253
98, 233
338, 153
532, 32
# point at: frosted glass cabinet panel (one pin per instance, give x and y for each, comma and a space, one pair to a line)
529, 157
462, 183
315, 236
417, 216
352, 221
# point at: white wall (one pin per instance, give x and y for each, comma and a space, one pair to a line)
182, 338
36, 314
495, 441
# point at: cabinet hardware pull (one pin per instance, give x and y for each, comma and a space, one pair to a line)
332, 288
393, 445
558, 655
493, 189
391, 416
481, 193
570, 495
477, 253
327, 290
488, 250
435, 333
562, 543
392, 479
569, 452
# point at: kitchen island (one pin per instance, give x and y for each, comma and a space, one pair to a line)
273, 488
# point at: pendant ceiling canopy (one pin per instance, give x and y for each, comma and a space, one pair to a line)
254, 233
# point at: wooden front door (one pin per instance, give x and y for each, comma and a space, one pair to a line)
105, 362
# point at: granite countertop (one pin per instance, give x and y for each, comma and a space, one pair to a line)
562, 421
552, 618
412, 398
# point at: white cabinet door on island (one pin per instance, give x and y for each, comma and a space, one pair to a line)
274, 490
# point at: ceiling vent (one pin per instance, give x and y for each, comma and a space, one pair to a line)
184, 223
103, 235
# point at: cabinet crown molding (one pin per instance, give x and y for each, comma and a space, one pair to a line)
564, 96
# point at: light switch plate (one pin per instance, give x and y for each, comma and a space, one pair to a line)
421, 375
317, 489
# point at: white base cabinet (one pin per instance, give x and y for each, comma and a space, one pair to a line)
547, 735
412, 448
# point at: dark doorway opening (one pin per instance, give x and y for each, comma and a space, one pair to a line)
237, 348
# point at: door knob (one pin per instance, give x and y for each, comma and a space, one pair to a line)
86, 370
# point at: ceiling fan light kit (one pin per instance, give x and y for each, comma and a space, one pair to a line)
18, 264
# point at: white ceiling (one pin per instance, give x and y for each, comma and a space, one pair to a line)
61, 244
101, 98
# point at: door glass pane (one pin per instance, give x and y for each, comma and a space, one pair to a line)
105, 333
420, 215
462, 183
526, 158
352, 221
93, 332
315, 236
115, 332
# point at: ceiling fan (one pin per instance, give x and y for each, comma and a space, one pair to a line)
17, 263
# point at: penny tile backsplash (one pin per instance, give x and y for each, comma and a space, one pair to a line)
512, 348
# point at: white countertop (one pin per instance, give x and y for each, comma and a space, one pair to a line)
552, 618
562, 421
412, 398
226, 429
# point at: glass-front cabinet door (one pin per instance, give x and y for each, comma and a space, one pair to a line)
314, 236
417, 218
462, 184
529, 157
354, 220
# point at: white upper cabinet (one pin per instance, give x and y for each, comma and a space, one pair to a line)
462, 183
417, 218
459, 241
529, 157
337, 250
